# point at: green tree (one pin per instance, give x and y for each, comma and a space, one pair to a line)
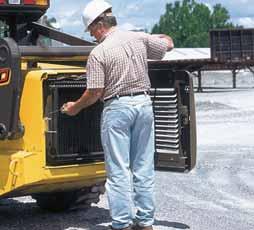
220, 17
188, 22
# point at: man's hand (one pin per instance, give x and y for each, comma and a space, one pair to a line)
167, 38
89, 97
70, 108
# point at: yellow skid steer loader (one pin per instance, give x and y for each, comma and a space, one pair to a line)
58, 159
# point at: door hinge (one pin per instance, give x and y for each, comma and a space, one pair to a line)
184, 115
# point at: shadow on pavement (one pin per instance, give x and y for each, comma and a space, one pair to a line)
171, 224
15, 215
24, 216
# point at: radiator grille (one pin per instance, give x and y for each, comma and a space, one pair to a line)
73, 139
165, 104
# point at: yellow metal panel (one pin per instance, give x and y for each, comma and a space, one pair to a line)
60, 68
13, 152
25, 174
7, 147
23, 168
31, 112
57, 59
4, 171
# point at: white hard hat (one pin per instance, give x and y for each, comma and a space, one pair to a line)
93, 10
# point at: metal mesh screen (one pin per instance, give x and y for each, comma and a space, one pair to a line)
73, 138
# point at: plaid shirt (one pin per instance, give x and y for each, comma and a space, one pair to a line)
119, 63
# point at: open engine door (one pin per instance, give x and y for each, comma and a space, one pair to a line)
175, 122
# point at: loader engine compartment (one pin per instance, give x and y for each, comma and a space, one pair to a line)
70, 140
76, 139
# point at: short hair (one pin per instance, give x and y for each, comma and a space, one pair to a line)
107, 19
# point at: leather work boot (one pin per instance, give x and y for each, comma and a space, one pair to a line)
137, 227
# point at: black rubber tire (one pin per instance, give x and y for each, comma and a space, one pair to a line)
62, 201
55, 202
3, 132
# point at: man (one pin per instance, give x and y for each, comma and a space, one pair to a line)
117, 73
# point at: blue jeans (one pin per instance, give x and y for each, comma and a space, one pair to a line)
127, 133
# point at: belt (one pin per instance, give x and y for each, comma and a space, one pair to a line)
127, 95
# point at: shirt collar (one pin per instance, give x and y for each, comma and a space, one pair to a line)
111, 31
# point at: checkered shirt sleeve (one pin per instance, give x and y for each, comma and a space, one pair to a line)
95, 72
156, 47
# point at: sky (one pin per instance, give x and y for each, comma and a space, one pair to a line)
140, 14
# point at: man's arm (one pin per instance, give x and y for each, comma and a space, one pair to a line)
158, 45
89, 97
168, 39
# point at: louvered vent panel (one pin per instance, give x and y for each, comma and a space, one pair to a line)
166, 120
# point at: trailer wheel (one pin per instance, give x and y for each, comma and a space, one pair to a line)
62, 201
